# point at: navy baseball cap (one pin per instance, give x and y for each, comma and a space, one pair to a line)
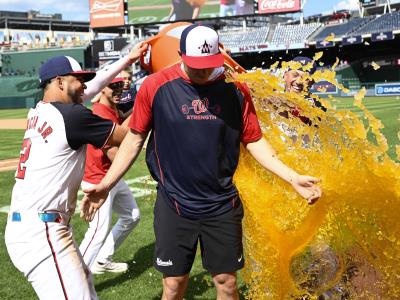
303, 60
199, 47
62, 65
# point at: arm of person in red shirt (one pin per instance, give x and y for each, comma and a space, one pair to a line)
263, 152
118, 135
128, 152
266, 156
111, 152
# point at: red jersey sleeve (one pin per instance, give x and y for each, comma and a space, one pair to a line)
141, 119
251, 131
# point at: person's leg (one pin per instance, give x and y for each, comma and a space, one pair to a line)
174, 287
97, 231
125, 206
50, 260
175, 247
226, 286
63, 275
222, 249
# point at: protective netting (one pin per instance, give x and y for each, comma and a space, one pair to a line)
347, 245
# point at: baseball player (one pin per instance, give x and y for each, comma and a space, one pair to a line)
97, 248
38, 234
125, 104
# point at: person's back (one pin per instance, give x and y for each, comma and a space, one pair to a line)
50, 145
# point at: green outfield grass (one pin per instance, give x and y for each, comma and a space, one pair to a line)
11, 140
17, 113
386, 109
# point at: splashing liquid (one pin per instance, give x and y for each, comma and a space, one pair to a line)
347, 245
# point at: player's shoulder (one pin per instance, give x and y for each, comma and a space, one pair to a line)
70, 108
72, 112
163, 76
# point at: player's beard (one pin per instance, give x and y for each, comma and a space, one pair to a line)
75, 95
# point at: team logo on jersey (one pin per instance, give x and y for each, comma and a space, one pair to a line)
200, 107
205, 48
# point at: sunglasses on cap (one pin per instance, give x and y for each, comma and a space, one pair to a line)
116, 85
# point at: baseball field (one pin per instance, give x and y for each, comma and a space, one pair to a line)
142, 281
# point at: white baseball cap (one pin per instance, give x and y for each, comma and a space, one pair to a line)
199, 47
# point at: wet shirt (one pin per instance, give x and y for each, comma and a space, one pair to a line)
194, 145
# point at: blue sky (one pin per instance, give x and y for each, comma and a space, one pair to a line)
78, 10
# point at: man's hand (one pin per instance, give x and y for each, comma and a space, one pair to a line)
306, 187
93, 199
138, 50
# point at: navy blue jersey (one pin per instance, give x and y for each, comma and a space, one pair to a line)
127, 100
194, 146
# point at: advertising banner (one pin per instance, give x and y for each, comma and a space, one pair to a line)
324, 44
352, 40
158, 11
387, 89
109, 49
368, 3
382, 36
278, 6
104, 13
324, 87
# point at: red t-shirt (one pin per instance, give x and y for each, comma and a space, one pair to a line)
97, 163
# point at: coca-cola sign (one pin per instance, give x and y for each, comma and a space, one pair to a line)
278, 6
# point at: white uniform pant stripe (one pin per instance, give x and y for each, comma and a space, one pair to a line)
55, 262
94, 234
99, 242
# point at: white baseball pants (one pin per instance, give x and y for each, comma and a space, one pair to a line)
47, 254
99, 244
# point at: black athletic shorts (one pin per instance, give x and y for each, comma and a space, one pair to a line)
220, 240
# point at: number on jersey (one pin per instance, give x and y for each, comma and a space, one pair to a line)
24, 155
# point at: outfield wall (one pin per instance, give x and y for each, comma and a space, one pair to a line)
19, 70
27, 63
19, 92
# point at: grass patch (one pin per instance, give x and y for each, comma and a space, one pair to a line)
18, 113
10, 142
386, 109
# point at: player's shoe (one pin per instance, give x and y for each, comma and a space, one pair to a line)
109, 266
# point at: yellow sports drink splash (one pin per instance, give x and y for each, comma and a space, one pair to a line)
347, 245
